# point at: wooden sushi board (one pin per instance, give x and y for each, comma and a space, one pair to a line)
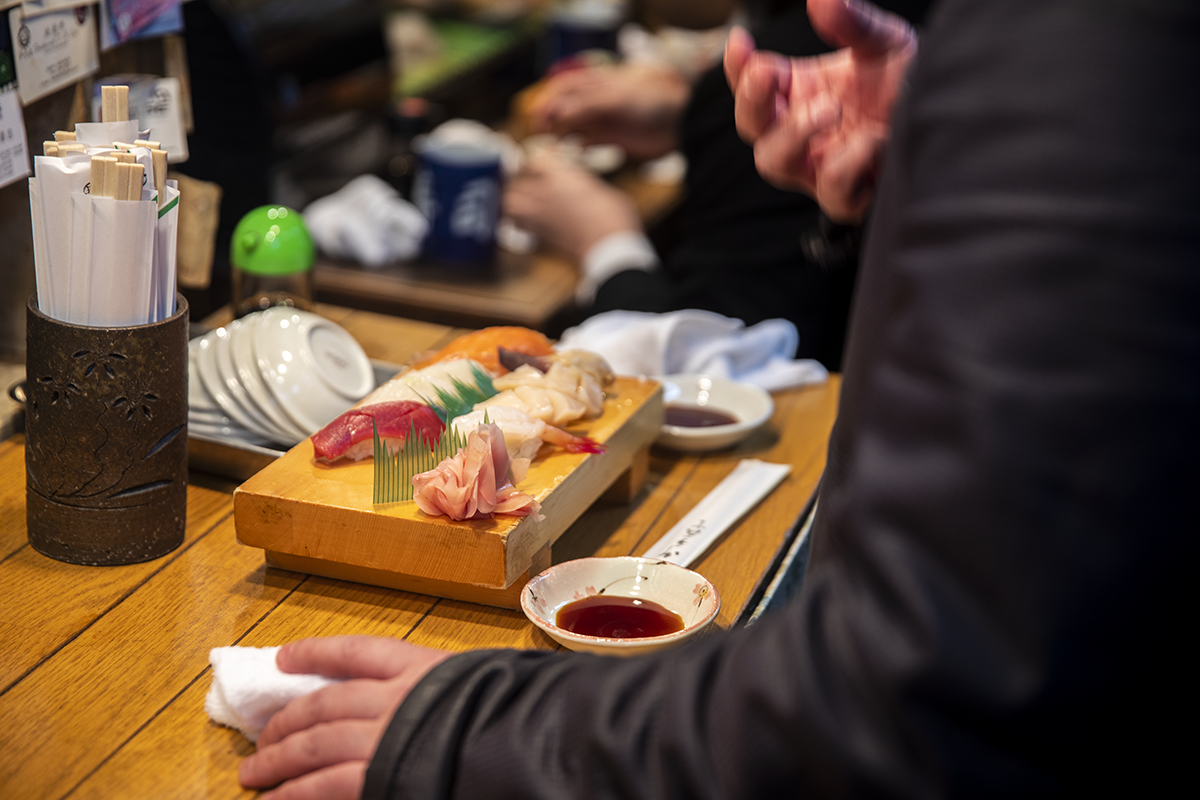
320, 519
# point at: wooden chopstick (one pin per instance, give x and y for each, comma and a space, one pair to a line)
114, 103
50, 148
160, 173
64, 136
129, 181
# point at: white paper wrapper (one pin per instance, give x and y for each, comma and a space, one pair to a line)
103, 134
122, 261
58, 179
79, 266
41, 262
750, 481
164, 253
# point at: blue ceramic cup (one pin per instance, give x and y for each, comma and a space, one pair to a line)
457, 188
578, 27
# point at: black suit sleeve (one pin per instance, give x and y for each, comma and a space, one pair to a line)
998, 602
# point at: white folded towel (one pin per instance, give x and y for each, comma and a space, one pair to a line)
367, 221
247, 687
697, 342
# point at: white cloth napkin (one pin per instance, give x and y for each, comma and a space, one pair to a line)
367, 221
699, 342
247, 687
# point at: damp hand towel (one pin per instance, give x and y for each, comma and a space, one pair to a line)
697, 342
248, 688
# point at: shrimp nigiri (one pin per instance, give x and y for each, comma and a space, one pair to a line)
523, 435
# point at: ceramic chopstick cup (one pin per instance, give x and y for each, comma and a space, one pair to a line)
457, 188
106, 438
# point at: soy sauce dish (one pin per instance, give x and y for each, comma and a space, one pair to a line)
704, 412
626, 601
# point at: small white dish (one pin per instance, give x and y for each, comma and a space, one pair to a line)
227, 372
313, 367
210, 379
677, 589
199, 400
241, 351
746, 403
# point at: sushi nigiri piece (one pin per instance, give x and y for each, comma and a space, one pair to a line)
475, 482
572, 381
483, 346
551, 406
523, 435
351, 436
429, 384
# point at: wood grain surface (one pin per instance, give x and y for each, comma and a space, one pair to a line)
103, 670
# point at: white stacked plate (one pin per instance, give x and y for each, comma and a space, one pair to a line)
274, 377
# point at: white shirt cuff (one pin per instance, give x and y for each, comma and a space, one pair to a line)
614, 253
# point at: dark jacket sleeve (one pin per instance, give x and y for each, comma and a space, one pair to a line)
998, 601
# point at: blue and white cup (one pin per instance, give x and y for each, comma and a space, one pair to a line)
457, 188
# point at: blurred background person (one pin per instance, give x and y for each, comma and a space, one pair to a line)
736, 244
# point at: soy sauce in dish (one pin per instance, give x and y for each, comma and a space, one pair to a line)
695, 416
615, 617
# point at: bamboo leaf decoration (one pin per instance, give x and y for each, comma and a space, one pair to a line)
394, 470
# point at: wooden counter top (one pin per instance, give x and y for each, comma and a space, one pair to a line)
104, 670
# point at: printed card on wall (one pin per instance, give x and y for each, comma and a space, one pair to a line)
14, 154
52, 50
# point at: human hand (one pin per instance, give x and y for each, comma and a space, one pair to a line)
319, 745
635, 106
819, 124
567, 207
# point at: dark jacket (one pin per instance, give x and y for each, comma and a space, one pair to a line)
997, 602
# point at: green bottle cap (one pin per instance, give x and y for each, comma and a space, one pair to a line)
272, 240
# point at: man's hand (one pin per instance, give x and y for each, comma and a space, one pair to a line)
819, 124
567, 207
319, 745
634, 106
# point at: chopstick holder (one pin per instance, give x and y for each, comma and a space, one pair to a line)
743, 488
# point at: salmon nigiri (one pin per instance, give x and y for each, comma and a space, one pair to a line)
484, 346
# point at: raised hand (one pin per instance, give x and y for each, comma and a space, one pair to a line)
634, 106
567, 207
819, 124
319, 745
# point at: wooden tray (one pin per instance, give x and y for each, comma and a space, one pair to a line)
320, 519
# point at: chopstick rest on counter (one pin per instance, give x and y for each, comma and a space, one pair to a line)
743, 488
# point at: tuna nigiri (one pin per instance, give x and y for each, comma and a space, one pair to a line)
350, 435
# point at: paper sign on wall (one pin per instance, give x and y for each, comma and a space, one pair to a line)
14, 154
52, 50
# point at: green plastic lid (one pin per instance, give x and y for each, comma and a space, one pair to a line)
272, 240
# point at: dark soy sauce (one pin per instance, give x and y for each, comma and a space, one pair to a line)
695, 416
617, 618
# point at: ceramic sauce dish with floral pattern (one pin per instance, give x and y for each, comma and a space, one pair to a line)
630, 581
